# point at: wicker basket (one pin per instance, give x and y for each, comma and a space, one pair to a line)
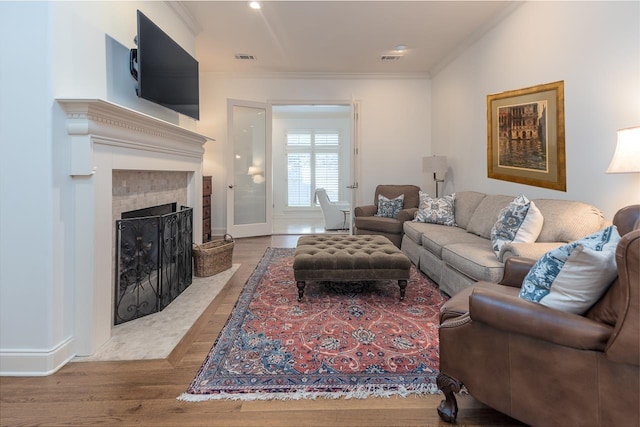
213, 257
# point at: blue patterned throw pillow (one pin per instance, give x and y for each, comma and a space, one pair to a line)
519, 222
436, 211
573, 277
389, 208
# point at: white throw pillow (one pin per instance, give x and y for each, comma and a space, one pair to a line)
519, 222
583, 280
436, 211
573, 277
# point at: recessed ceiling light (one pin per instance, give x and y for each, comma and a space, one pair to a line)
254, 5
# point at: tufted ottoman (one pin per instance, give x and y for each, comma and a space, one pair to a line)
349, 258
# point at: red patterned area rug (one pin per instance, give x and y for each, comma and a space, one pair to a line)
342, 340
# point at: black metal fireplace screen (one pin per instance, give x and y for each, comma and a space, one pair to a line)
153, 262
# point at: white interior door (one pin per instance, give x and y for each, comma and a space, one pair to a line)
249, 195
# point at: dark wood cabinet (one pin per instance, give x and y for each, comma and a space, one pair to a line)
206, 209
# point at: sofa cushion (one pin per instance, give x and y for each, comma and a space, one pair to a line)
520, 222
436, 211
465, 205
475, 260
389, 208
567, 220
435, 238
486, 214
574, 276
414, 230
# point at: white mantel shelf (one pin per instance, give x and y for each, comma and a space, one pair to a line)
115, 124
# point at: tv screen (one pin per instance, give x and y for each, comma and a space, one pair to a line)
166, 73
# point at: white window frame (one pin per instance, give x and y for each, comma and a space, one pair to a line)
312, 150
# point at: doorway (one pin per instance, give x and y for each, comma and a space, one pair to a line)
311, 148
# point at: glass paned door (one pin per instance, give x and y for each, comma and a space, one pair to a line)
249, 177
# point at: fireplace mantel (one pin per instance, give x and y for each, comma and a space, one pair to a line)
105, 137
115, 125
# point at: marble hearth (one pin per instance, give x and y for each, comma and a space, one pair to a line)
108, 140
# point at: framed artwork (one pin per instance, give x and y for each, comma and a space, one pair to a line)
525, 134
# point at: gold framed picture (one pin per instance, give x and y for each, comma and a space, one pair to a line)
525, 134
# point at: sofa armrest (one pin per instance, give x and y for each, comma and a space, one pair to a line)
407, 214
368, 210
527, 250
515, 270
515, 315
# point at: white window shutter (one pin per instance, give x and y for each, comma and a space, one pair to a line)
313, 161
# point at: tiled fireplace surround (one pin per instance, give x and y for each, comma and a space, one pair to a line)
134, 190
120, 160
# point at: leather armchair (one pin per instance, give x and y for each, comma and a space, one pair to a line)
367, 223
543, 366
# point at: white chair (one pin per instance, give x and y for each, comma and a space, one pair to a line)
336, 214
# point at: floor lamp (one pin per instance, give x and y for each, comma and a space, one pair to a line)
436, 165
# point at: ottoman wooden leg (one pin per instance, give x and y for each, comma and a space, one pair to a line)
300, 285
403, 288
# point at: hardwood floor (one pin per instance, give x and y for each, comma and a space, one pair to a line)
143, 393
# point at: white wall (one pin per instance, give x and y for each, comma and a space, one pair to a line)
595, 48
394, 125
53, 50
26, 230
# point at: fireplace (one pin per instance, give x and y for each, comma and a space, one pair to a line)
106, 140
153, 260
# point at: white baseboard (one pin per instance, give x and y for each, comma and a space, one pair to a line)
35, 363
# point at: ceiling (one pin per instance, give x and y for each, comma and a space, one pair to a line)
336, 37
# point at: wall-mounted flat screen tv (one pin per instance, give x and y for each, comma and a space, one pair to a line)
165, 72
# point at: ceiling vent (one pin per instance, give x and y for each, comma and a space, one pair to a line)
390, 57
245, 57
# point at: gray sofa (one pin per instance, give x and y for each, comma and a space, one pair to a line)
456, 257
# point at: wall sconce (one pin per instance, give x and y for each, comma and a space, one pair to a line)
257, 174
436, 165
626, 158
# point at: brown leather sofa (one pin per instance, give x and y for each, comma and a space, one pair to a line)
367, 223
544, 366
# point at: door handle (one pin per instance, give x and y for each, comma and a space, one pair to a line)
353, 186
231, 187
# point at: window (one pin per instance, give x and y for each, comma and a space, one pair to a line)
313, 161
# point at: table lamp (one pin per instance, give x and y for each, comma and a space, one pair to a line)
626, 158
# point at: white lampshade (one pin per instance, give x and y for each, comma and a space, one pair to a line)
436, 165
626, 158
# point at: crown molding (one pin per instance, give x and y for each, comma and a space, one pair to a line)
473, 38
183, 13
317, 76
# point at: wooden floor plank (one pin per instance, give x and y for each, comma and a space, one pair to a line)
144, 393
